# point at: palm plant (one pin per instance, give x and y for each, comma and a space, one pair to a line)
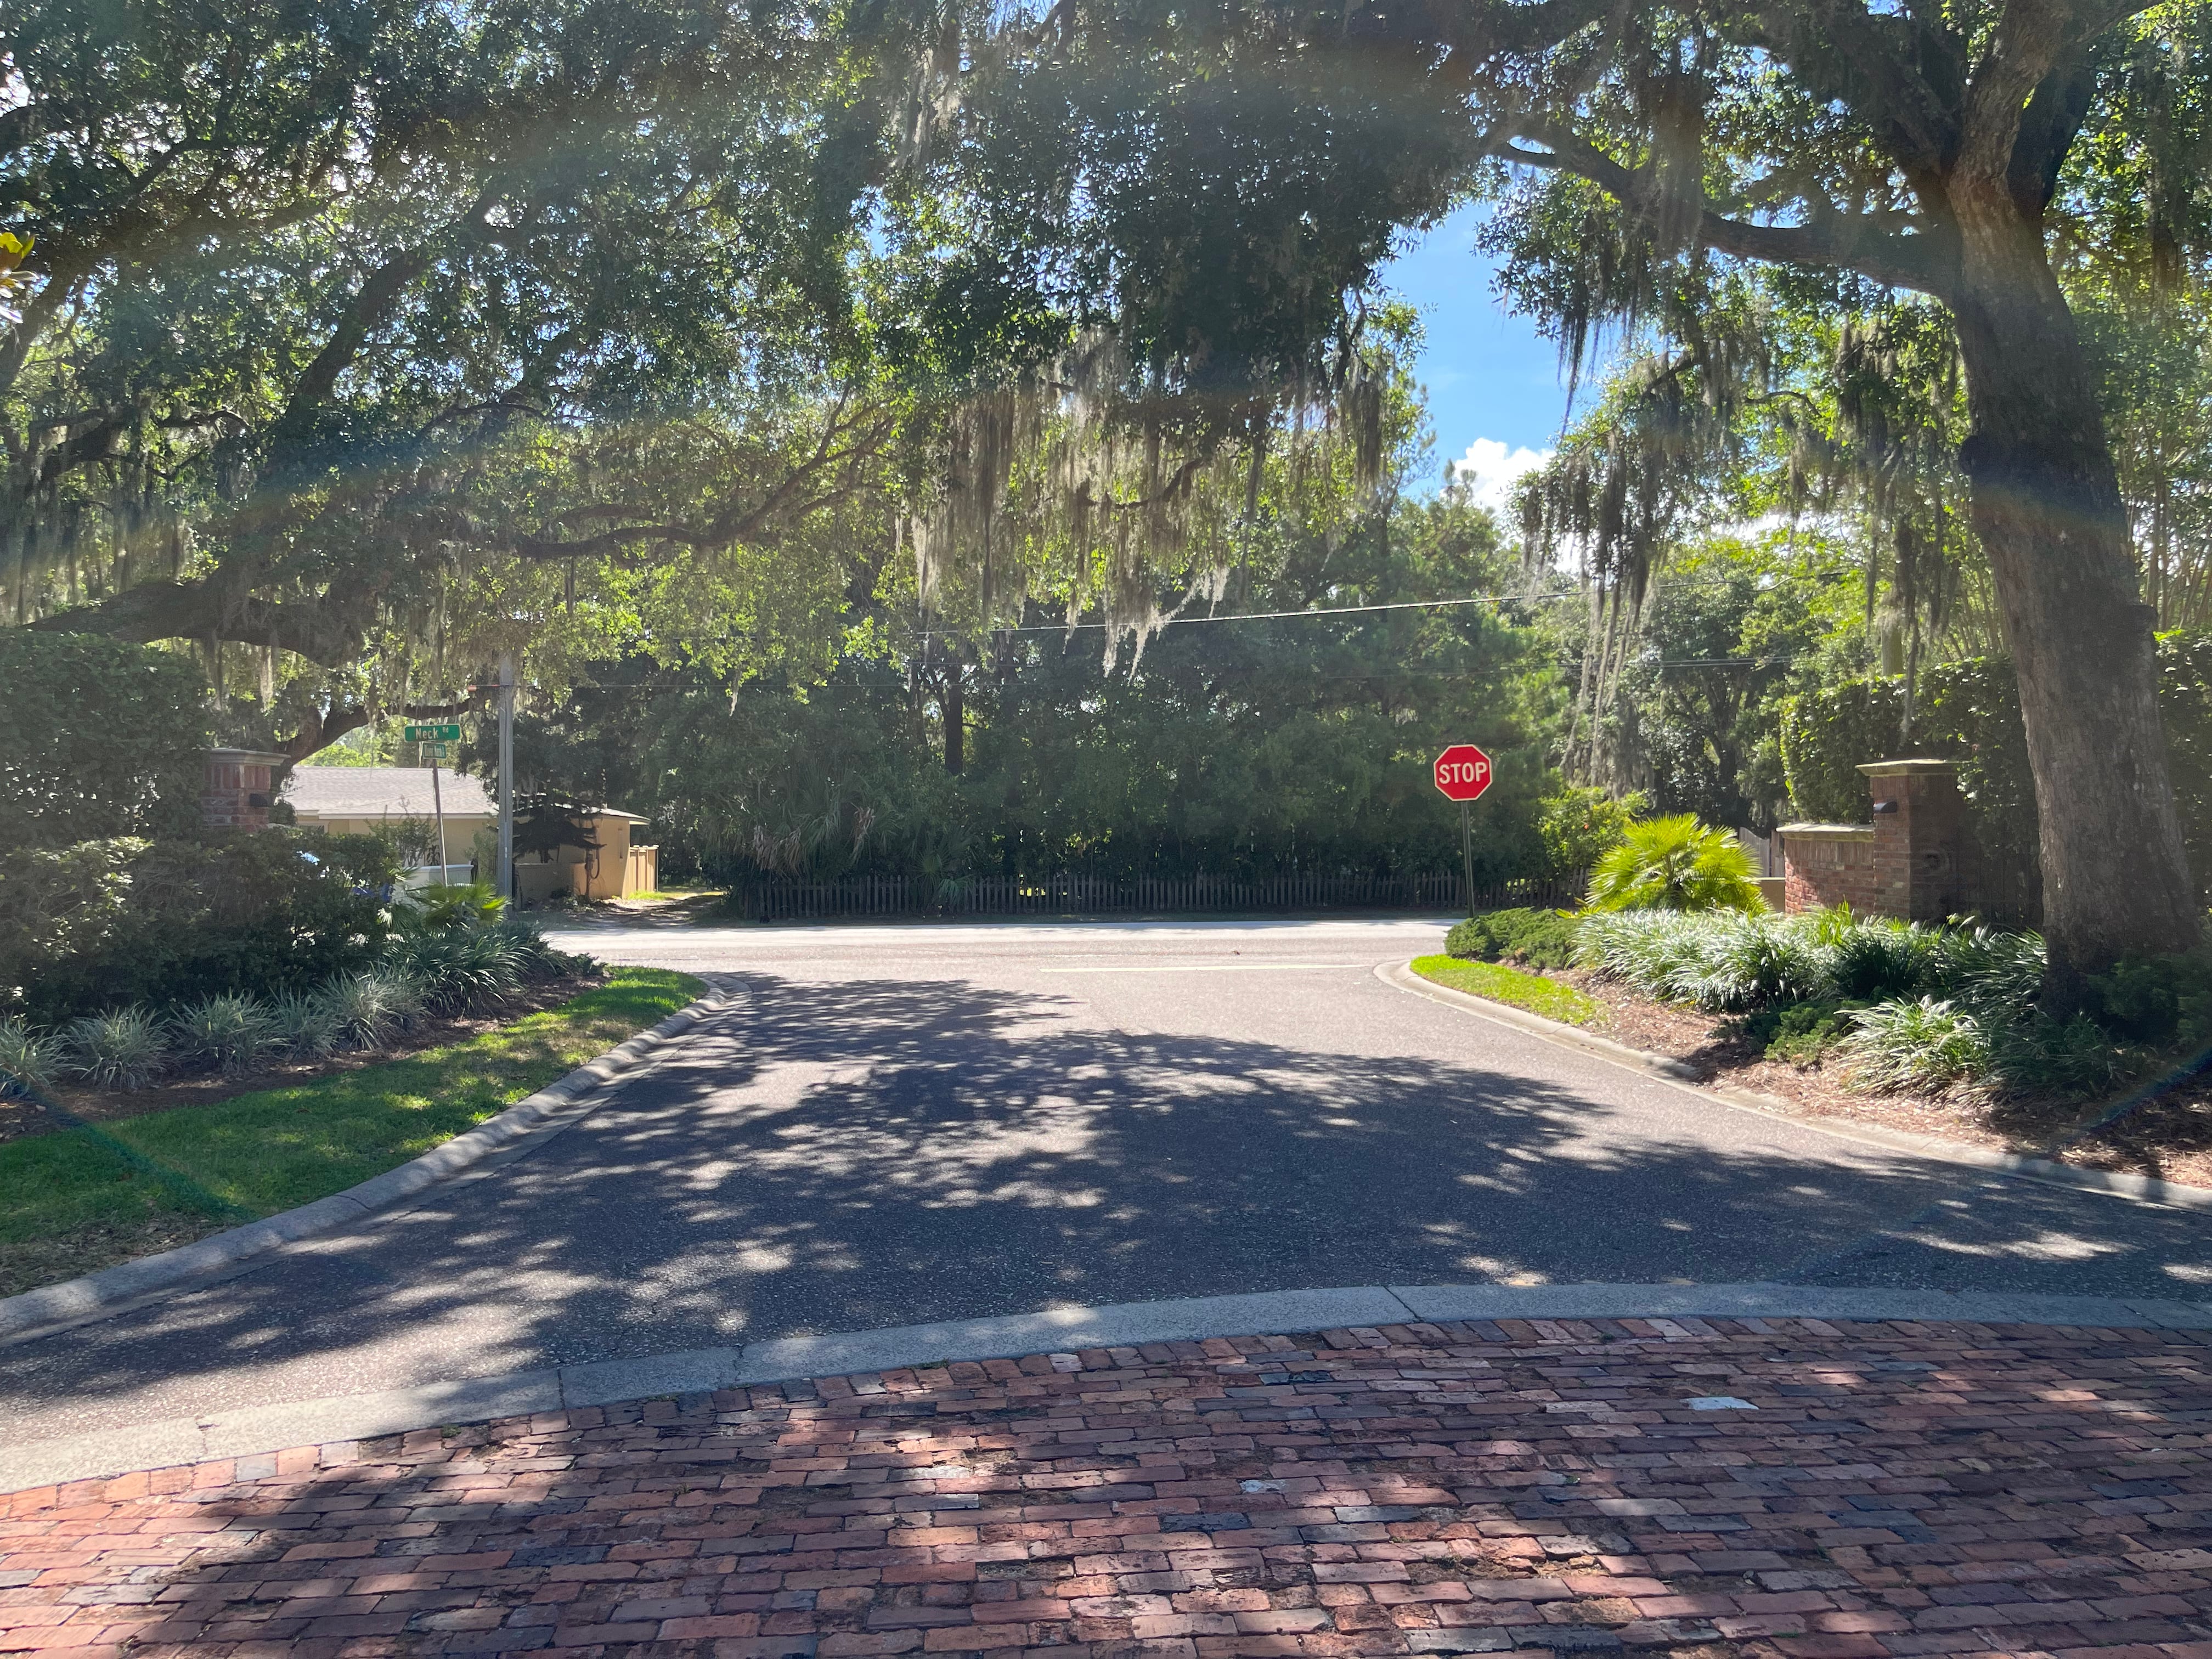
1674, 864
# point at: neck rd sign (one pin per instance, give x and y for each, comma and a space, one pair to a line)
1463, 772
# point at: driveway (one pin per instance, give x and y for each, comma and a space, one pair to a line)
893, 1125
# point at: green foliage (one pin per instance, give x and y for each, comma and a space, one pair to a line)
1238, 748
1968, 711
258, 1153
28, 1057
229, 1032
1533, 991
368, 1009
114, 923
1919, 1042
123, 1049
1826, 735
1580, 825
1801, 1034
435, 909
98, 739
2163, 1001
1674, 863
1541, 939
459, 968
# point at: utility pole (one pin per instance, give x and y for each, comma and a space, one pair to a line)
506, 775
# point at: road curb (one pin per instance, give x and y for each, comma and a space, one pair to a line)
52, 1307
2114, 1183
259, 1430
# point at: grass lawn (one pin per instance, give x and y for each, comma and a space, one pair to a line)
76, 1201
1534, 992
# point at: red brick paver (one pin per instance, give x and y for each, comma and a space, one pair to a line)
1534, 1488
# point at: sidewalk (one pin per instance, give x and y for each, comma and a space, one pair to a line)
1531, 1488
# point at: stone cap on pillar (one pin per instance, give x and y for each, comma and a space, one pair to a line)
1826, 831
1918, 767
247, 757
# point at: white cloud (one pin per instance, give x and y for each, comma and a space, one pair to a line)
1489, 470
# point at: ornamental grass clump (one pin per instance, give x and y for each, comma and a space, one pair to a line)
306, 1024
123, 1049
29, 1058
368, 1010
459, 969
229, 1033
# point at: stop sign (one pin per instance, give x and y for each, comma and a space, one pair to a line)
1462, 771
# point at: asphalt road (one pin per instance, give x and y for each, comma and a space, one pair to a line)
893, 1125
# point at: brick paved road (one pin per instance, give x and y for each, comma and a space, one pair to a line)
1536, 1488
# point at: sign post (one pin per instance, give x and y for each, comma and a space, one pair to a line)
1462, 772
434, 740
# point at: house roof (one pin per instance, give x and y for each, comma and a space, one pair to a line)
382, 792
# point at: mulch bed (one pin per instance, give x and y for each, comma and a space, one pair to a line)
20, 1117
2170, 1137
1528, 1487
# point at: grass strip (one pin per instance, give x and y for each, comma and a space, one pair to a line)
1498, 983
256, 1154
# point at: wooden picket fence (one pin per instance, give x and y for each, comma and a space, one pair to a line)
1069, 894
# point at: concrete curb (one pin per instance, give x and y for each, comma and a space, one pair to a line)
367, 1416
2114, 1183
35, 1313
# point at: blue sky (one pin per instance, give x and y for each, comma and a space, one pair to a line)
1491, 377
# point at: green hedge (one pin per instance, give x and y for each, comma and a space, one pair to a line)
123, 920
100, 738
1969, 711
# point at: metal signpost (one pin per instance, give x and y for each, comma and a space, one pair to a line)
433, 739
506, 776
1463, 772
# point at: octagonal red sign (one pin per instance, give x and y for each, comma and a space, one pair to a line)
1463, 771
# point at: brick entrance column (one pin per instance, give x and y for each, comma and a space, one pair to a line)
237, 791
1926, 865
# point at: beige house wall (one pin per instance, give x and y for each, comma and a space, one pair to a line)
614, 870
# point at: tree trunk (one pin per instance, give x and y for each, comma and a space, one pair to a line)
954, 705
2047, 505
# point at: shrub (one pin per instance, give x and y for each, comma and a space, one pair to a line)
28, 1057
1580, 826
103, 739
229, 1032
1827, 734
123, 1049
1674, 864
367, 1010
123, 922
1541, 939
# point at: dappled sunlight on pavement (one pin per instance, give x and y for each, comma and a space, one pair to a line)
1722, 1488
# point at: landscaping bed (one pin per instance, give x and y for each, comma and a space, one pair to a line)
74, 1200
2170, 1138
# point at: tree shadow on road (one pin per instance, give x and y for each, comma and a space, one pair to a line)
844, 1156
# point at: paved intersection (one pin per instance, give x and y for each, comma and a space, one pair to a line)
892, 1125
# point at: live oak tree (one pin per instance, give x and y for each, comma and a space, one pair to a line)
363, 335
1858, 150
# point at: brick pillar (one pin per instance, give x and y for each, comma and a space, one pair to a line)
1924, 855
238, 788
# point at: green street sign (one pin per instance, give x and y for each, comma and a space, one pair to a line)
432, 733
437, 751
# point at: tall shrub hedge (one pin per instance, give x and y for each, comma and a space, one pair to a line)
1969, 712
98, 739
123, 921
